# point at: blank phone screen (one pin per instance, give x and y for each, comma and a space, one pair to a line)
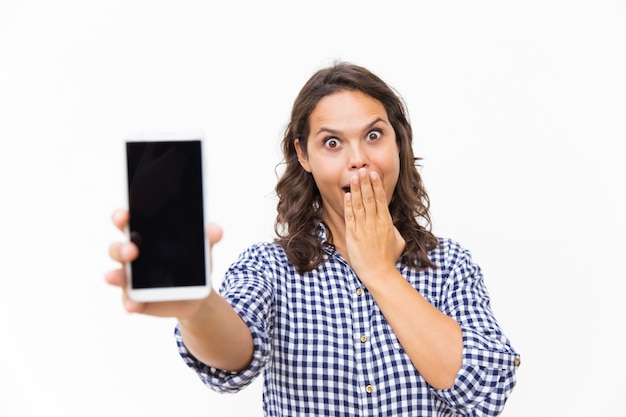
166, 213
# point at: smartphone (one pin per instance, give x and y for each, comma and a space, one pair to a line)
165, 184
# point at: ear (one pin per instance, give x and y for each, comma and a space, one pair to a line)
302, 158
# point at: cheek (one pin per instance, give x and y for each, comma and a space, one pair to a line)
321, 177
390, 188
391, 178
325, 170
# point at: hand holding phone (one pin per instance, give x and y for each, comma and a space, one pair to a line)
167, 219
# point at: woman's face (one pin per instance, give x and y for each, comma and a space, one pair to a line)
348, 130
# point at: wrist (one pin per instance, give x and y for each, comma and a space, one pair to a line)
378, 279
196, 312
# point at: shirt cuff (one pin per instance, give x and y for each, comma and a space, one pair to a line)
225, 381
486, 378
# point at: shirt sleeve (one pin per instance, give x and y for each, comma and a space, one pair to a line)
487, 375
248, 289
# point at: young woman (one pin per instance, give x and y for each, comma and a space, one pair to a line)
356, 308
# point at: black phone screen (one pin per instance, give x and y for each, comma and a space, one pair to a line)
166, 213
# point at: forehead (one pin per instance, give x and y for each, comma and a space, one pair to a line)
346, 107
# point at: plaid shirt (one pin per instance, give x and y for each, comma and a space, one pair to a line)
326, 349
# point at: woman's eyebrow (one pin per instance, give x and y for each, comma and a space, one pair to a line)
367, 127
374, 122
327, 130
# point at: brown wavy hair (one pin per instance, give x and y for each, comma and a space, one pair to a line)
299, 201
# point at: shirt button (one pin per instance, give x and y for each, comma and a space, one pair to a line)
359, 291
369, 389
517, 362
363, 339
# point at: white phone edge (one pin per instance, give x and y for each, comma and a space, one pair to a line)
170, 293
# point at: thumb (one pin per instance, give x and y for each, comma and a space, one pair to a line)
214, 233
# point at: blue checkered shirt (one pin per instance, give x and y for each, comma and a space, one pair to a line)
325, 349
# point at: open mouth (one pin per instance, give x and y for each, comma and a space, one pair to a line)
346, 189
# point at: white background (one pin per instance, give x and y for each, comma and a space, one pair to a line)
518, 110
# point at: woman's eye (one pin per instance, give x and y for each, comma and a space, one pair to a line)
374, 134
331, 143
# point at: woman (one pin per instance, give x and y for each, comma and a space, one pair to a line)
356, 308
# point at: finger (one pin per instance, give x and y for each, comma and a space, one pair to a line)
120, 218
379, 195
348, 212
123, 252
367, 193
356, 198
132, 306
214, 233
116, 277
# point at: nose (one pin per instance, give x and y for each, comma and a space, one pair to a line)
357, 157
